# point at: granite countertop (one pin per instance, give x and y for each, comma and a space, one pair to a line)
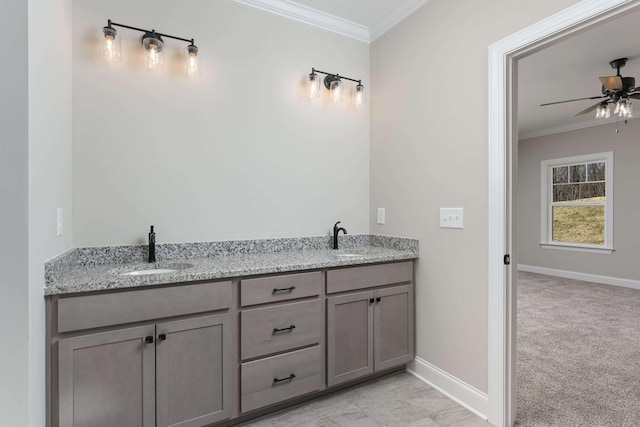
96, 269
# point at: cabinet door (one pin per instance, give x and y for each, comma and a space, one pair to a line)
108, 379
349, 337
393, 327
193, 371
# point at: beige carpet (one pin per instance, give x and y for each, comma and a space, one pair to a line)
578, 353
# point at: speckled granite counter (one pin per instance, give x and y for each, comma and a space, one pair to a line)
96, 269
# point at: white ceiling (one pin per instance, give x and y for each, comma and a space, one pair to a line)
570, 70
363, 12
364, 20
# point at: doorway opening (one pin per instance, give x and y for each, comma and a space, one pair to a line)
503, 155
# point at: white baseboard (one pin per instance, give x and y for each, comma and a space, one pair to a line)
586, 277
459, 391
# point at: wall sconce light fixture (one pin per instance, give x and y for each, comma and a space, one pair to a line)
111, 49
333, 82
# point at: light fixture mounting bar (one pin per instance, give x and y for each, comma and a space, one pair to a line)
142, 30
313, 70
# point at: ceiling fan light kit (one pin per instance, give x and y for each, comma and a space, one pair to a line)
603, 111
616, 90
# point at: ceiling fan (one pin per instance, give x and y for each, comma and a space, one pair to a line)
616, 90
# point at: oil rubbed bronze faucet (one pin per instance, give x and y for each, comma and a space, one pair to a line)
337, 230
152, 245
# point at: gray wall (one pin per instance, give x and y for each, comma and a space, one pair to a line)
35, 179
623, 262
429, 150
239, 152
49, 169
14, 225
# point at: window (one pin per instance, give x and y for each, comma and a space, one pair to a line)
577, 203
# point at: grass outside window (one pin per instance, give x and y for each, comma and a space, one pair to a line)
577, 206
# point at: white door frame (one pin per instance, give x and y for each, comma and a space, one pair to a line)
503, 56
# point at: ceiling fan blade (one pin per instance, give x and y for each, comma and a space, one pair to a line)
612, 83
572, 100
588, 110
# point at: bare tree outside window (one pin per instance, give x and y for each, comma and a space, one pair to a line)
577, 200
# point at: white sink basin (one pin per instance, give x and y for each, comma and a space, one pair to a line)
160, 269
151, 271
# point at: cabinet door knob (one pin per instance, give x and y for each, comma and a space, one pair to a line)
149, 339
289, 289
371, 300
290, 328
279, 380
378, 299
162, 337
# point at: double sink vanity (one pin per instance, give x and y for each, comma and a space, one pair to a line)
222, 332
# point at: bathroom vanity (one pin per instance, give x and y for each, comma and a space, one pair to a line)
133, 352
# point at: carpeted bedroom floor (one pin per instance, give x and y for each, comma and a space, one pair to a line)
578, 361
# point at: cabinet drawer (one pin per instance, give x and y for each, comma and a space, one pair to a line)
94, 311
264, 382
280, 288
279, 328
369, 276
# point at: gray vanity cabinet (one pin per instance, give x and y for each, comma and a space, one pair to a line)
108, 379
372, 329
193, 371
281, 338
173, 371
170, 374
349, 337
393, 327
204, 353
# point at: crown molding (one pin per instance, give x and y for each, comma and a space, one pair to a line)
307, 15
567, 128
396, 16
310, 16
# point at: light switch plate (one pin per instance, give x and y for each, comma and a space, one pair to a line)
451, 218
381, 215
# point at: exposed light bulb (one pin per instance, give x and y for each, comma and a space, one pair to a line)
193, 64
110, 49
336, 91
359, 95
154, 55
625, 108
110, 45
191, 53
603, 111
313, 85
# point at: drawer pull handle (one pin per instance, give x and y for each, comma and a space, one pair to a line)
279, 380
162, 337
290, 328
289, 289
149, 339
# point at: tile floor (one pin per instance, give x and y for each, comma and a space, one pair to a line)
397, 400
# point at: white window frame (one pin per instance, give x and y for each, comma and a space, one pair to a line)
546, 213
